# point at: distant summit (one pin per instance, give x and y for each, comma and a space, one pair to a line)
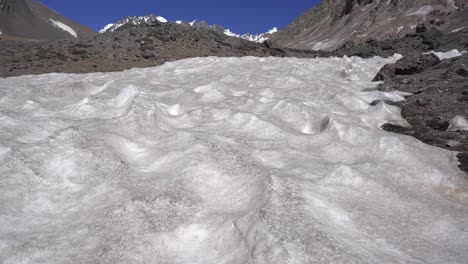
133, 20
336, 23
203, 25
32, 20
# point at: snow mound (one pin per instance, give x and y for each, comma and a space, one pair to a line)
64, 27
458, 123
161, 19
222, 160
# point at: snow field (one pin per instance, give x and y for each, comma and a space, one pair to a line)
222, 160
64, 27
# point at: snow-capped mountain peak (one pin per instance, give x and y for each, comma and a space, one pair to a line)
133, 20
139, 20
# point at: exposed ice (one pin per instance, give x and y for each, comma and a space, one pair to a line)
64, 27
222, 160
448, 55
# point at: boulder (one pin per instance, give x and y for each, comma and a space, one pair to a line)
415, 63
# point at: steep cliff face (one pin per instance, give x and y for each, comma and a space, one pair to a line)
334, 23
30, 19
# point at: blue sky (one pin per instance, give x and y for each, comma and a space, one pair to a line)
241, 16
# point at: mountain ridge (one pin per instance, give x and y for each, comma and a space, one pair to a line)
334, 23
198, 24
30, 19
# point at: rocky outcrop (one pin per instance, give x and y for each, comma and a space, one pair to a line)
336, 23
438, 95
31, 20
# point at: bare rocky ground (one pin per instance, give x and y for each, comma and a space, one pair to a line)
334, 23
439, 88
440, 92
125, 48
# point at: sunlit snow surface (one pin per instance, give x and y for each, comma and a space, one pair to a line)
64, 27
229, 160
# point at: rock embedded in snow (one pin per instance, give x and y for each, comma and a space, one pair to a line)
222, 160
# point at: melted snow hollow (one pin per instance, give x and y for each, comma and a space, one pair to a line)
222, 160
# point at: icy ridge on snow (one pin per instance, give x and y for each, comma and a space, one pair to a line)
222, 160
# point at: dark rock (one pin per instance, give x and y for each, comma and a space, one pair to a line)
148, 54
272, 44
78, 51
386, 47
462, 71
386, 73
421, 28
431, 39
412, 64
438, 124
463, 159
396, 129
233, 42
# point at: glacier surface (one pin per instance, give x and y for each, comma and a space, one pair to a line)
222, 160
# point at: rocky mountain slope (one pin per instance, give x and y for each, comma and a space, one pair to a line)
129, 46
141, 20
30, 19
335, 23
